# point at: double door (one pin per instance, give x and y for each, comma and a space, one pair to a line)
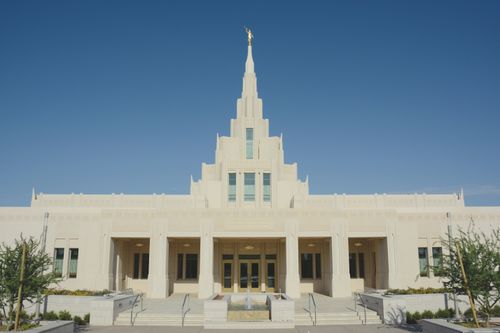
249, 277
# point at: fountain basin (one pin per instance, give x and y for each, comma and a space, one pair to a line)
248, 307
271, 310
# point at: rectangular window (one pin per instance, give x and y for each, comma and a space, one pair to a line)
180, 265
73, 262
249, 143
317, 262
232, 187
249, 186
266, 187
58, 261
191, 266
306, 265
145, 266
437, 257
423, 261
361, 261
135, 274
352, 265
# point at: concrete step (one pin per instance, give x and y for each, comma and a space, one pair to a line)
159, 319
247, 325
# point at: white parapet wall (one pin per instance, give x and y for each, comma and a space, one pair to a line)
442, 326
433, 302
105, 310
59, 326
392, 308
282, 309
215, 309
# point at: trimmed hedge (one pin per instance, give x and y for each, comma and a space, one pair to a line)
78, 292
412, 318
415, 291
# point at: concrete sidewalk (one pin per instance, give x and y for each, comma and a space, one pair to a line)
298, 329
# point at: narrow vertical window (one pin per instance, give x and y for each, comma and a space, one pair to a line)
306, 265
249, 141
73, 262
249, 186
352, 265
266, 185
58, 261
437, 257
135, 274
423, 261
180, 265
317, 262
145, 266
191, 266
232, 187
361, 262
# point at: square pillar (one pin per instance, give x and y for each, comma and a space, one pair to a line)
292, 280
391, 261
206, 277
341, 280
158, 269
108, 265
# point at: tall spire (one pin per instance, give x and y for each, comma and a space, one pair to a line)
249, 79
249, 66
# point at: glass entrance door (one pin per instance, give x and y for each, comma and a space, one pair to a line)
249, 276
271, 276
227, 274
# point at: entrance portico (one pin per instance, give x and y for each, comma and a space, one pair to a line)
254, 264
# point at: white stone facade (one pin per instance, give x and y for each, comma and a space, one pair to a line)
264, 233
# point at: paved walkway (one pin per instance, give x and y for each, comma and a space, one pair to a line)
301, 329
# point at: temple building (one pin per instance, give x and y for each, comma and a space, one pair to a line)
248, 224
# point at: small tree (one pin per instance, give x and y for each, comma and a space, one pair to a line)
481, 260
35, 279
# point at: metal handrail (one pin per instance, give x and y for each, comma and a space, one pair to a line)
310, 298
137, 297
356, 297
185, 308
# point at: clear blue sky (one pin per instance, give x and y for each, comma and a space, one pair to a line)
371, 96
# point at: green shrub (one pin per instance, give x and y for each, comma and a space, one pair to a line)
87, 318
443, 313
496, 311
51, 315
65, 315
27, 326
410, 319
79, 321
417, 316
427, 314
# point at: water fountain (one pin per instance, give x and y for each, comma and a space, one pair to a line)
248, 307
248, 304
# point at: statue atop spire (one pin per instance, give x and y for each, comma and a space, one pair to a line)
250, 36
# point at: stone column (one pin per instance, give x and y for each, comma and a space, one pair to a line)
292, 280
158, 268
108, 265
341, 281
206, 277
391, 260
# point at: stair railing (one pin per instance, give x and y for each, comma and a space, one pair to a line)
185, 308
357, 296
138, 299
312, 301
